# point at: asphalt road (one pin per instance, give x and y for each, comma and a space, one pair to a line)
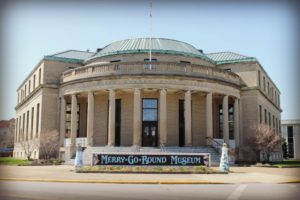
18, 190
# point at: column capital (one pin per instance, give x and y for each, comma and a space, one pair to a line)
209, 93
91, 92
163, 90
137, 90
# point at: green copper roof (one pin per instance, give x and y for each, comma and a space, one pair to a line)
229, 57
70, 56
159, 45
142, 45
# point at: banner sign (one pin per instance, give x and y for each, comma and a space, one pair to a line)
145, 159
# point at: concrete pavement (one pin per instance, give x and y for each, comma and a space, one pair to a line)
17, 190
65, 173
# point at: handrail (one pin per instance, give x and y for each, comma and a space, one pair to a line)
137, 148
215, 144
162, 147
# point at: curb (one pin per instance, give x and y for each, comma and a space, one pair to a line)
296, 181
115, 181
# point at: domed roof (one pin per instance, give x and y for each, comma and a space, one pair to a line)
142, 45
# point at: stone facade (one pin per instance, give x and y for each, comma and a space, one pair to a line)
100, 99
291, 132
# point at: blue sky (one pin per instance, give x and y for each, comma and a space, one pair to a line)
267, 31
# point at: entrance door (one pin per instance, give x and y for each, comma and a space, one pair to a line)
149, 134
181, 123
149, 126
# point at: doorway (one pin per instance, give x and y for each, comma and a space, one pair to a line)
149, 124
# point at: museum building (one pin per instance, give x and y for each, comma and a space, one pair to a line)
140, 97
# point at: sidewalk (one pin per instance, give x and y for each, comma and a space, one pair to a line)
64, 173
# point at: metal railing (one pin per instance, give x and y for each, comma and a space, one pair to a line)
215, 144
162, 147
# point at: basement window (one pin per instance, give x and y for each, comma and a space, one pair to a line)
185, 62
148, 60
228, 70
114, 61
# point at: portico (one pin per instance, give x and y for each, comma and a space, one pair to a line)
145, 117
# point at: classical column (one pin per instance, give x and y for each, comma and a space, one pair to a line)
62, 120
236, 122
137, 122
111, 118
209, 117
90, 119
163, 116
188, 118
74, 125
225, 120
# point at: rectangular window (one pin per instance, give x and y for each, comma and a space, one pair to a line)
149, 109
37, 119
152, 60
264, 83
114, 61
16, 131
31, 128
23, 127
276, 125
33, 81
27, 125
25, 90
230, 121
228, 70
273, 122
270, 119
275, 97
40, 76
279, 126
68, 119
268, 89
220, 122
290, 141
260, 114
272, 93
185, 62
20, 128
259, 84
181, 123
29, 86
266, 118
118, 123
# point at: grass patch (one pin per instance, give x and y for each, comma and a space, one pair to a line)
13, 161
146, 169
285, 164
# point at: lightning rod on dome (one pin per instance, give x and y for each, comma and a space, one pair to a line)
150, 44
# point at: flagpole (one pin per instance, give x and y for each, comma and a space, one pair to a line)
150, 46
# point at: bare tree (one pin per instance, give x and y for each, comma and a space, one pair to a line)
29, 146
49, 144
264, 141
